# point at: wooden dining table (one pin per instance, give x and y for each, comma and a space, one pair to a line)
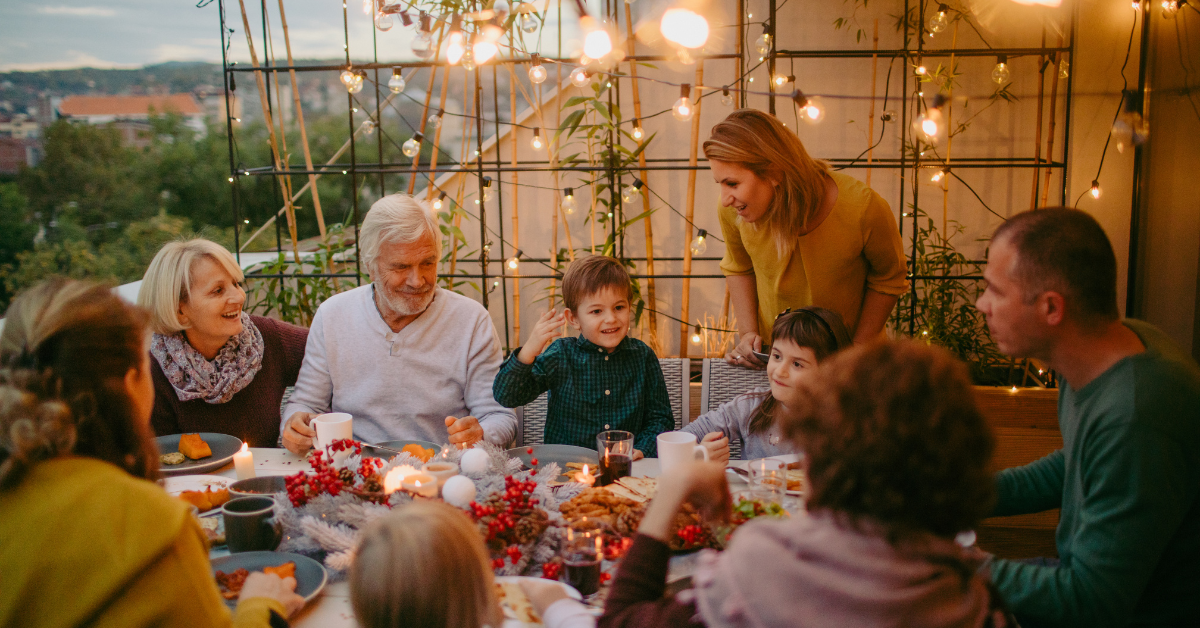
331, 609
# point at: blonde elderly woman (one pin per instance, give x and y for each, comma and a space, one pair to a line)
215, 367
406, 359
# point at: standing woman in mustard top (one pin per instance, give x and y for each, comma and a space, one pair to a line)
798, 234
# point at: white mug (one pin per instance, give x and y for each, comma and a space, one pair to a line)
330, 427
675, 448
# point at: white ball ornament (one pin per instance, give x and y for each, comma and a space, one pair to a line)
475, 462
458, 491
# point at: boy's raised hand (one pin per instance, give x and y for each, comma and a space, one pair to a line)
548, 327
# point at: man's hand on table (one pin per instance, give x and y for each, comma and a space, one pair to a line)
298, 434
464, 432
270, 586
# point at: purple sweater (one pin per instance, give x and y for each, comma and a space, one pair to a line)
253, 413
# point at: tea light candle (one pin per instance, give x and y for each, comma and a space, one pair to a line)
584, 477
243, 463
421, 484
441, 470
395, 477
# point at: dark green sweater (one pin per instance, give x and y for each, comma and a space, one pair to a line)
1127, 479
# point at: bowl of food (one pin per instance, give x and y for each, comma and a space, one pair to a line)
263, 485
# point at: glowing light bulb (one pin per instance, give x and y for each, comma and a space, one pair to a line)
356, 86
596, 41
762, 45
455, 48
537, 73
487, 188
1064, 69
468, 60
683, 109
637, 131
384, 21
484, 51
580, 77
536, 143
931, 125
696, 335
514, 261
812, 109
347, 77
1169, 7
412, 146
1137, 5
684, 27
368, 126
396, 83
700, 243
781, 79
435, 119
439, 202
940, 20
1001, 73
368, 7
938, 176
726, 97
568, 201
920, 70
422, 44
1130, 128
633, 192
1095, 191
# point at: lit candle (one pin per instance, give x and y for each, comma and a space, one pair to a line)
421, 484
441, 470
584, 477
395, 477
243, 463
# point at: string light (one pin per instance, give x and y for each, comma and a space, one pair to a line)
468, 60
633, 192
568, 201
683, 110
514, 261
939, 175
368, 7
920, 70
347, 77
484, 49
812, 110
696, 334
700, 243
356, 85
684, 27
384, 22
435, 119
439, 202
931, 125
368, 125
1001, 73
396, 83
1170, 7
580, 77
1137, 5
597, 43
422, 44
726, 97
537, 73
528, 22
412, 145
939, 21
536, 142
637, 131
762, 45
1130, 129
487, 188
455, 49
781, 80
1095, 191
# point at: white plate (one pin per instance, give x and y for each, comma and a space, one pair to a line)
513, 623
180, 483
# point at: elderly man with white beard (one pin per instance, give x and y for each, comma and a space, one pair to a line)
406, 359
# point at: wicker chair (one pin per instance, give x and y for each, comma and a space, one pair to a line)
531, 418
721, 383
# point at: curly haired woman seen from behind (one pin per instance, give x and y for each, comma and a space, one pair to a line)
89, 538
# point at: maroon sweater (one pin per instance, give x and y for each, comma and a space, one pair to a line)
253, 413
636, 597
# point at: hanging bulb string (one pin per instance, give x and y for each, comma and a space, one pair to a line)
1120, 104
887, 90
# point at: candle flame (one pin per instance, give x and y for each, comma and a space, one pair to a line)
585, 469
393, 479
245, 448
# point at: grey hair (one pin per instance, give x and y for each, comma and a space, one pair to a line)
396, 218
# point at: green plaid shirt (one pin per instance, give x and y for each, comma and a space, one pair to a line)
592, 390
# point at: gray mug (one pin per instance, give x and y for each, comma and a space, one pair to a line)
250, 524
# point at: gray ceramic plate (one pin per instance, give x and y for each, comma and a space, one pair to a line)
261, 485
562, 454
398, 445
223, 447
310, 575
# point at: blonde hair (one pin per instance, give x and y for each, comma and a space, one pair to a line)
424, 564
396, 218
168, 280
761, 144
65, 350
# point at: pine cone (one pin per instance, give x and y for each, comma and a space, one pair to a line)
372, 485
347, 476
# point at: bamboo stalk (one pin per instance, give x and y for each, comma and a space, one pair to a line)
308, 162
1050, 131
416, 162
945, 182
264, 100
871, 115
462, 181
1037, 141
437, 138
637, 114
691, 211
516, 231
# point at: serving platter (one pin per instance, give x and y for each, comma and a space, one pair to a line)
223, 447
311, 576
562, 454
368, 450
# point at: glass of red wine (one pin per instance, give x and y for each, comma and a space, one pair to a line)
582, 554
616, 455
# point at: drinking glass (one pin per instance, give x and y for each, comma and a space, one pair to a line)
768, 479
616, 455
582, 554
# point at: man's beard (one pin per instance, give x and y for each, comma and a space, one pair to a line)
405, 303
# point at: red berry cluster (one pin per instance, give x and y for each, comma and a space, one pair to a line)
345, 444
502, 511
552, 570
690, 534
605, 577
369, 467
616, 547
324, 478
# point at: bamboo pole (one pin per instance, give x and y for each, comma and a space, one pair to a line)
437, 139
1037, 141
691, 211
871, 115
945, 181
462, 181
416, 162
264, 100
516, 231
269, 54
637, 114
1050, 131
308, 162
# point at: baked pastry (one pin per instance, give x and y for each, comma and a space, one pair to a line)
194, 447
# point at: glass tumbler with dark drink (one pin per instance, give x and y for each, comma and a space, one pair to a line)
616, 455
582, 554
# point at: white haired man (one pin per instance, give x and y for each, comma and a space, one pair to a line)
406, 359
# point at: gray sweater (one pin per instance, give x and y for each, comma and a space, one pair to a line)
403, 385
733, 419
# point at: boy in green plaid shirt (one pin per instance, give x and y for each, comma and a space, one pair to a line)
600, 380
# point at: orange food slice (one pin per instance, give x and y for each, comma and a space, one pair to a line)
286, 570
194, 447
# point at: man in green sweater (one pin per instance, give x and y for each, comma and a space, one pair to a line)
1128, 475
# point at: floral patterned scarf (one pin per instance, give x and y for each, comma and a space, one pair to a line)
194, 377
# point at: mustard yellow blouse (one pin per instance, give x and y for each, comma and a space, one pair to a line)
855, 249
